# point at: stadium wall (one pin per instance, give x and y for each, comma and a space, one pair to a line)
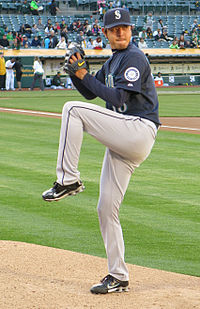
178, 67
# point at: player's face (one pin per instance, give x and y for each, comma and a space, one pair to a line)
119, 36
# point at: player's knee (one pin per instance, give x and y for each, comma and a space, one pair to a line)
68, 106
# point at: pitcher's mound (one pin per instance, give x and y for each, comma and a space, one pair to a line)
33, 276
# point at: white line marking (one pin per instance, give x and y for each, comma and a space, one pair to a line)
23, 111
180, 128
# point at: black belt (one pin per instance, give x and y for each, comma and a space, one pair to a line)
156, 124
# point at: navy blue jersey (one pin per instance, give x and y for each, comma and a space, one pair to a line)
125, 83
129, 70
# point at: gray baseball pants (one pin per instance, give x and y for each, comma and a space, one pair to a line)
128, 140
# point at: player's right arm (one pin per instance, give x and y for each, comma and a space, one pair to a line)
87, 93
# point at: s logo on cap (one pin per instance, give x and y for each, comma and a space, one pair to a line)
117, 14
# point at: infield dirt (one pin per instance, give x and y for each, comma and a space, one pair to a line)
33, 276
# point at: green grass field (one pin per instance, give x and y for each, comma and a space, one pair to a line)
160, 214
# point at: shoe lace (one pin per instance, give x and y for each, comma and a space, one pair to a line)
107, 278
56, 185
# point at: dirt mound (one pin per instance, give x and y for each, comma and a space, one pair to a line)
33, 276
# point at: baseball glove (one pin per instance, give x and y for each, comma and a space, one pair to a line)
72, 68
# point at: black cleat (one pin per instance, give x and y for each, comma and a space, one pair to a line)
109, 284
58, 191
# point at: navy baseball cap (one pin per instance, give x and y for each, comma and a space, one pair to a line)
116, 17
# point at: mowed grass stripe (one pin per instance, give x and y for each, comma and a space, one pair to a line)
171, 105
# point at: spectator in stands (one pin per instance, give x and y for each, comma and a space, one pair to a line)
195, 43
149, 33
62, 43
174, 44
134, 31
134, 41
142, 44
2, 32
72, 27
198, 30
40, 25
64, 32
26, 42
6, 29
143, 34
34, 29
98, 43
181, 42
96, 28
79, 25
15, 44
10, 37
56, 82
28, 30
101, 11
18, 41
25, 29
87, 28
160, 24
36, 42
80, 38
53, 40
46, 42
22, 29
187, 36
26, 45
63, 24
4, 43
18, 68
25, 8
165, 36
149, 20
38, 73
2, 71
49, 22
34, 7
194, 24
90, 44
111, 5
57, 26
157, 35
124, 6
53, 8
48, 29
194, 33
197, 5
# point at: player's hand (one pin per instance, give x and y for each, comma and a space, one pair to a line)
75, 61
82, 72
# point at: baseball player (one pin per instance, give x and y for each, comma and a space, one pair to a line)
10, 74
127, 127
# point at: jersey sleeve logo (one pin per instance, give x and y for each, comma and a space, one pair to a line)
132, 74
